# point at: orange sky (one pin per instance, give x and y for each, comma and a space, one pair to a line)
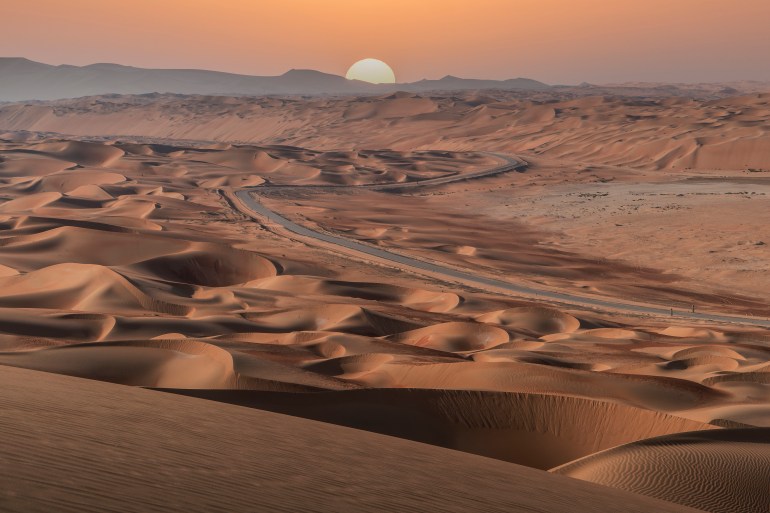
557, 41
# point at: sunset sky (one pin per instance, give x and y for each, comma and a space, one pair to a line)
556, 41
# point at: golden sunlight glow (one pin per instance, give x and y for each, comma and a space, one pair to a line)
373, 71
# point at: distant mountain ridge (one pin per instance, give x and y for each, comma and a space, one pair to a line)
22, 79
450, 82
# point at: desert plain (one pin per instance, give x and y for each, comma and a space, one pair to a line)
633, 355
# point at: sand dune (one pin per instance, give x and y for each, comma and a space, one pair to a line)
394, 106
541, 373
79, 287
327, 317
21, 327
259, 161
30, 202
659, 133
177, 364
64, 435
417, 299
82, 153
716, 471
120, 261
209, 265
543, 321
26, 167
454, 337
539, 431
68, 182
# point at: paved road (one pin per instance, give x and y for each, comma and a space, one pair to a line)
467, 277
509, 164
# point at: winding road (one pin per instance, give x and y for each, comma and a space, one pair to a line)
255, 209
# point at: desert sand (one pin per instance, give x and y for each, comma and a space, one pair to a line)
157, 452
738, 463
124, 259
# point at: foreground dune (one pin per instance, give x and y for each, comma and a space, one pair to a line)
79, 445
721, 471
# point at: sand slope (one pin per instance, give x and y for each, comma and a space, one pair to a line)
78, 445
719, 471
648, 133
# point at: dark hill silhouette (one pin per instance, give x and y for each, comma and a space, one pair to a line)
23, 79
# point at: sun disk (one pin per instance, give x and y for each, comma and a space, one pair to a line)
373, 71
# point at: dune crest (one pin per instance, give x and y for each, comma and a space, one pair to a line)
717, 471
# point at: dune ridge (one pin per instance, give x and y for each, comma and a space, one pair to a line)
69, 448
652, 133
717, 471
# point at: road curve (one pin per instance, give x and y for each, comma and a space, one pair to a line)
257, 209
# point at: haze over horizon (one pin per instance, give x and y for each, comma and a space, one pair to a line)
599, 41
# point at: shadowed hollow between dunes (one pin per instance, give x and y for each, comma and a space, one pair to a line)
540, 431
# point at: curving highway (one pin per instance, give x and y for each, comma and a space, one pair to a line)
255, 209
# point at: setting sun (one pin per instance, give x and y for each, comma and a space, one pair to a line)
373, 71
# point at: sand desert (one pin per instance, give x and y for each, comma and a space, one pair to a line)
135, 263
298, 292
